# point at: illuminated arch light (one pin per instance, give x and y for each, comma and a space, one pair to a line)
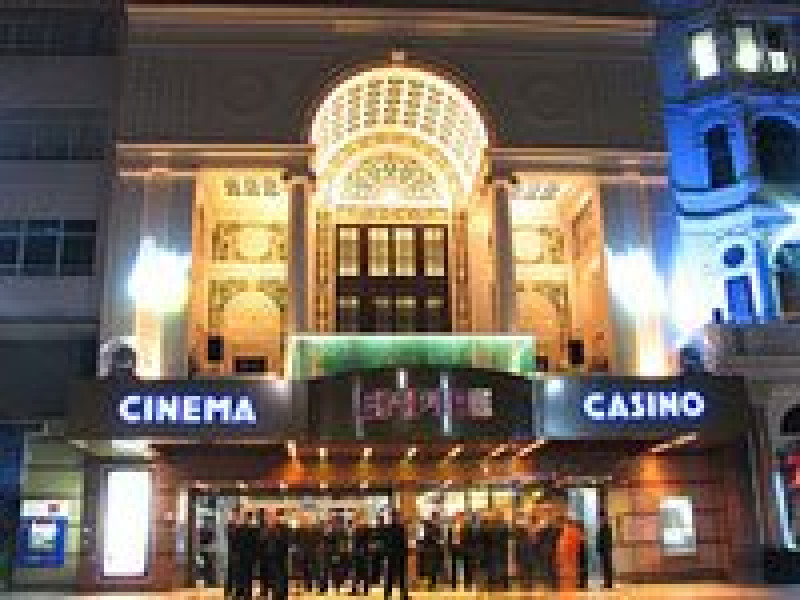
391, 177
404, 100
159, 279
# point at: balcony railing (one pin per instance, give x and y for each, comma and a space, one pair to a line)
753, 349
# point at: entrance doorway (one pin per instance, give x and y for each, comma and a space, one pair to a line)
522, 508
212, 510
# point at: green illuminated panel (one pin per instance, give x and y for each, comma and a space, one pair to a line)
318, 355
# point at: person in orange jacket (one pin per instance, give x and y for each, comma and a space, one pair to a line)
568, 554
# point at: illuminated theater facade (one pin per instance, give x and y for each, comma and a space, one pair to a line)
372, 257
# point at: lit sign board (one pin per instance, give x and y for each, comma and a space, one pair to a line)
186, 409
411, 404
644, 406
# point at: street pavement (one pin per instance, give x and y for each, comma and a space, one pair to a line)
624, 592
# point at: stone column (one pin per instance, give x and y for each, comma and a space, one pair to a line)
123, 232
479, 261
159, 206
503, 256
635, 271
176, 208
764, 287
300, 288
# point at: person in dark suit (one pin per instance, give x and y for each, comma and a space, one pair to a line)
473, 550
605, 550
430, 551
547, 541
360, 559
274, 555
396, 557
497, 536
247, 554
307, 540
332, 541
262, 565
583, 560
378, 550
205, 552
232, 530
459, 536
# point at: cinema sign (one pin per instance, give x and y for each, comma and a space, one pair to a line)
258, 408
187, 409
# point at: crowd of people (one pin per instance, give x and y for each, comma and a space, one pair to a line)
353, 555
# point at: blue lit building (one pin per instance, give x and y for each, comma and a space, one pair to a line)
732, 118
524, 258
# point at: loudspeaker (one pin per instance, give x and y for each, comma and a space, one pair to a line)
542, 363
215, 350
575, 352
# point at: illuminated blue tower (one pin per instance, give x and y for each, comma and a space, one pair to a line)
732, 114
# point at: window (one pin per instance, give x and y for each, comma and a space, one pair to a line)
787, 265
10, 231
777, 45
403, 284
77, 254
383, 313
434, 313
250, 364
40, 251
435, 251
777, 145
349, 255
349, 317
740, 299
71, 32
762, 47
720, 158
44, 138
405, 257
378, 252
406, 314
231, 187
703, 51
748, 53
47, 247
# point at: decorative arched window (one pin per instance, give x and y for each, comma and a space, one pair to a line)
720, 158
777, 146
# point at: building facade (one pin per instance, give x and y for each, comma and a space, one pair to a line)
333, 256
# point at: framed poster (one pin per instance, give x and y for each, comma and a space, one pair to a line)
678, 535
42, 538
41, 542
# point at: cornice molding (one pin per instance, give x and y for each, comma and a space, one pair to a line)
618, 160
181, 159
374, 20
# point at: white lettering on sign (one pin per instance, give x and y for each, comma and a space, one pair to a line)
186, 409
644, 406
